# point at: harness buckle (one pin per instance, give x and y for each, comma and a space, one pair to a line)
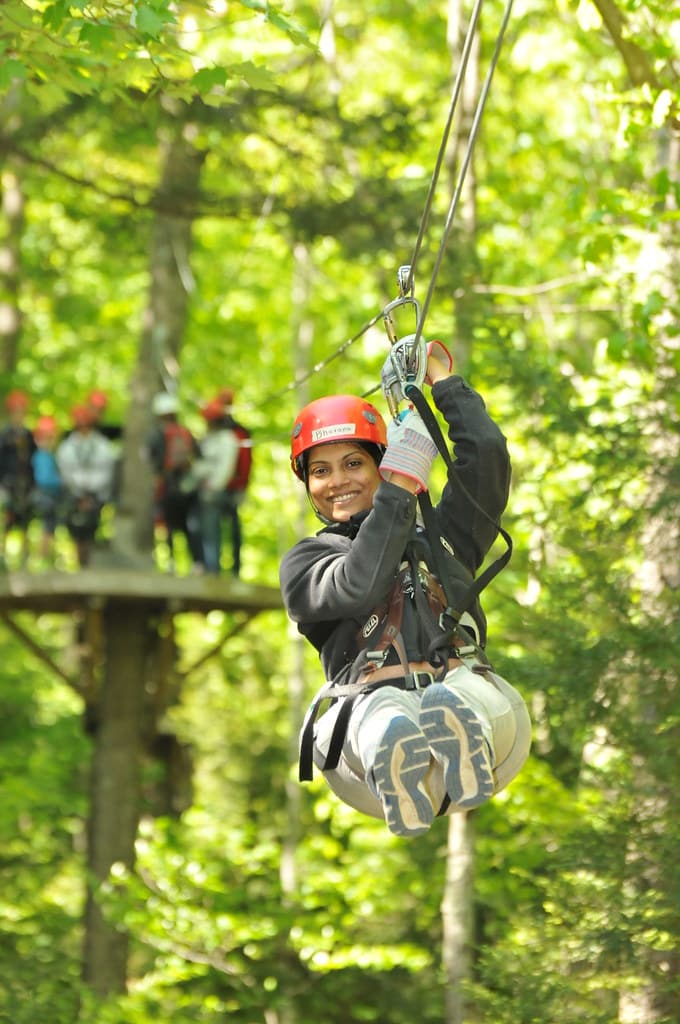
448, 619
418, 680
377, 658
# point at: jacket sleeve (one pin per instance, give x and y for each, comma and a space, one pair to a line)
331, 577
481, 472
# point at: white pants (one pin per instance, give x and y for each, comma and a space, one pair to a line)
502, 711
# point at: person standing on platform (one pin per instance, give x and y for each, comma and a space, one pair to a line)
16, 474
48, 490
86, 461
213, 472
173, 450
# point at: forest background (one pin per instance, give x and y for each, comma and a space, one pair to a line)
220, 194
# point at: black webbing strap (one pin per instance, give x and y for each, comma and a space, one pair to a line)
416, 396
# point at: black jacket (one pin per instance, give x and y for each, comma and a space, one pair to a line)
333, 581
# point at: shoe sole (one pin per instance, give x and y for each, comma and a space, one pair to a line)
455, 736
401, 763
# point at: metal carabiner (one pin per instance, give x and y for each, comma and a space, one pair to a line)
409, 366
409, 360
405, 298
388, 320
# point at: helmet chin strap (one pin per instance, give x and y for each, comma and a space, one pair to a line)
319, 515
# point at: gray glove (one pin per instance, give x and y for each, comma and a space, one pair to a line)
410, 450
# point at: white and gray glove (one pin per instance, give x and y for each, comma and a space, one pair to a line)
410, 450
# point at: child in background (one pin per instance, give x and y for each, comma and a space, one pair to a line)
48, 492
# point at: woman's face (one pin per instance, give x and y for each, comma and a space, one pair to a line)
342, 479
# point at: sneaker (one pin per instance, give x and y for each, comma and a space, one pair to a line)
401, 763
454, 733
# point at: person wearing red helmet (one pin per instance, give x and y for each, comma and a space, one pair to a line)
16, 475
214, 472
98, 402
48, 492
419, 725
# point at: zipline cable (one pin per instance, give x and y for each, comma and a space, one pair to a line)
472, 138
408, 283
453, 103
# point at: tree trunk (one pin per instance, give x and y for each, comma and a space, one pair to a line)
171, 285
115, 788
10, 269
457, 914
658, 803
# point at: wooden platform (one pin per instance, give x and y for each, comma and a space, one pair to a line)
70, 591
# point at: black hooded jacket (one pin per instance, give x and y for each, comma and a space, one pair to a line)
332, 582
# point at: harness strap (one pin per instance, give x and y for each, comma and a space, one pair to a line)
480, 582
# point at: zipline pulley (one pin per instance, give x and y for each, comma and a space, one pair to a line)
408, 354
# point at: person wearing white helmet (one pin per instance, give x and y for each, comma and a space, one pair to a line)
419, 724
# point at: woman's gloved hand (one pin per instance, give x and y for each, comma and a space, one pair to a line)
410, 450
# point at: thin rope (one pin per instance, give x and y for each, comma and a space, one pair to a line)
302, 378
472, 138
455, 95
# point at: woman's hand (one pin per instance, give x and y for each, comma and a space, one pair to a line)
409, 454
439, 362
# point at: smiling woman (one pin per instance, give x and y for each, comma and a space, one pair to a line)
419, 723
341, 480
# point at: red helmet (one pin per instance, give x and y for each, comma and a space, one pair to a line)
97, 399
335, 418
213, 410
16, 400
83, 416
46, 427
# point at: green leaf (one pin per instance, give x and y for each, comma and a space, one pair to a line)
55, 15
205, 79
294, 31
95, 34
654, 303
256, 76
149, 21
11, 70
616, 346
276, 17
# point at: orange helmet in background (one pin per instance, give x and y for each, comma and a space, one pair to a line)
334, 418
83, 416
213, 410
98, 400
17, 400
46, 427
